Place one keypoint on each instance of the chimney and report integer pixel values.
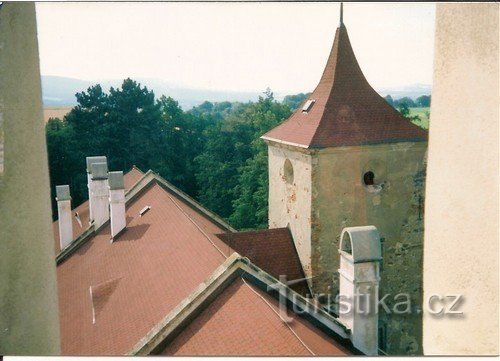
(116, 203)
(360, 254)
(65, 221)
(90, 161)
(99, 202)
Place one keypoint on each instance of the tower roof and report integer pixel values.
(345, 109)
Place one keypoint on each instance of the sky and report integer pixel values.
(234, 46)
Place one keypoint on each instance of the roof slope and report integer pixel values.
(113, 295)
(236, 312)
(347, 110)
(245, 321)
(159, 259)
(273, 250)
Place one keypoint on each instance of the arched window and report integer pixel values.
(369, 178)
(346, 244)
(288, 172)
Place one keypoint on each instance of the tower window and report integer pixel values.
(288, 170)
(369, 178)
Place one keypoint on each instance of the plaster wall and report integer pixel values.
(29, 323)
(290, 204)
(461, 236)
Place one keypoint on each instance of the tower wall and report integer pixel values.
(290, 204)
(341, 199)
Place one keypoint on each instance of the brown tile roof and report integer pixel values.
(347, 111)
(113, 294)
(245, 321)
(130, 178)
(272, 250)
(159, 259)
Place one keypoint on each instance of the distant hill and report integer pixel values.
(411, 91)
(60, 91)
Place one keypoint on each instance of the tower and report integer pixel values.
(347, 158)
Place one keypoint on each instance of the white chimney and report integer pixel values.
(90, 161)
(99, 194)
(116, 203)
(360, 254)
(65, 221)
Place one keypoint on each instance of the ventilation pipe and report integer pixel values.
(90, 161)
(65, 221)
(360, 255)
(116, 203)
(99, 198)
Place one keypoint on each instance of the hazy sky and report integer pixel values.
(234, 46)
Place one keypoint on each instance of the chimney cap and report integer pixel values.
(115, 180)
(96, 159)
(62, 193)
(99, 170)
(362, 244)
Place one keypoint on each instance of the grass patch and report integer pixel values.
(424, 114)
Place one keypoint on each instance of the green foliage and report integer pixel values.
(406, 101)
(232, 169)
(251, 193)
(423, 101)
(389, 100)
(294, 101)
(131, 128)
(213, 152)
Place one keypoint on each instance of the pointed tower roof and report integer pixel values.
(344, 110)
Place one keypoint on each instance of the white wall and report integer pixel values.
(461, 220)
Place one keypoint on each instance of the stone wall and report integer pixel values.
(394, 204)
(290, 204)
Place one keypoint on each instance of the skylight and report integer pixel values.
(308, 105)
(144, 210)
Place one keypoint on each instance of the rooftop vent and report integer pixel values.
(144, 210)
(308, 105)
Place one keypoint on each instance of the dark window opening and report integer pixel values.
(382, 337)
(288, 169)
(369, 178)
(346, 244)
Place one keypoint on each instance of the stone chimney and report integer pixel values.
(116, 203)
(360, 254)
(90, 161)
(65, 221)
(99, 197)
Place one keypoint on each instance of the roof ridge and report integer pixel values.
(141, 185)
(234, 266)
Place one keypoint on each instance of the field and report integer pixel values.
(423, 113)
(55, 112)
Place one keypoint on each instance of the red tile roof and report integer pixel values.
(130, 178)
(159, 259)
(347, 111)
(245, 320)
(113, 294)
(272, 250)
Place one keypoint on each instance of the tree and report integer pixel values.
(406, 101)
(294, 101)
(423, 101)
(251, 193)
(389, 100)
